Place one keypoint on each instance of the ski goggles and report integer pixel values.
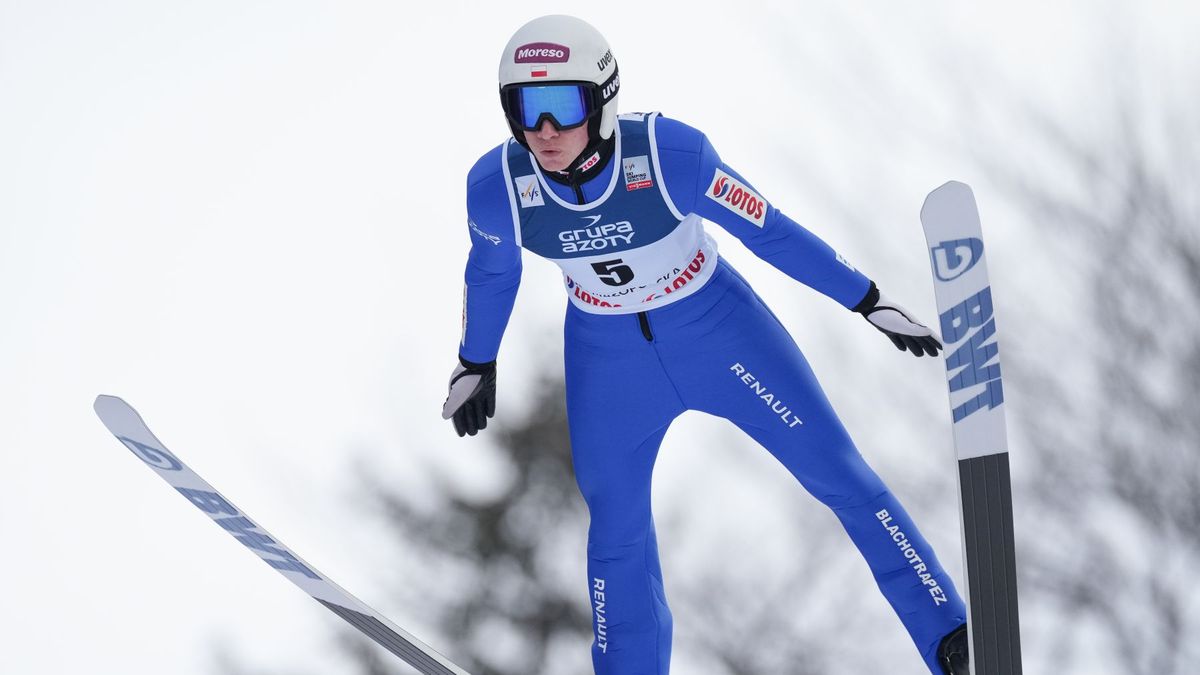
(565, 105)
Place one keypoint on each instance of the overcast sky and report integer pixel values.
(247, 219)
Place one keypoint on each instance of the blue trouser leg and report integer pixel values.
(720, 351)
(748, 369)
(902, 562)
(619, 405)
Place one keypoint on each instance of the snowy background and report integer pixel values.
(247, 220)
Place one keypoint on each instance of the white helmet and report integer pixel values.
(539, 63)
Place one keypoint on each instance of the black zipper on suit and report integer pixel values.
(643, 320)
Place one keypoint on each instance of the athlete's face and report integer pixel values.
(554, 149)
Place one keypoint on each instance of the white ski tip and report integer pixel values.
(948, 212)
(128, 426)
(952, 195)
(110, 407)
(104, 401)
(123, 421)
(114, 412)
(952, 186)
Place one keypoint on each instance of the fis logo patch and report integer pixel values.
(529, 191)
(733, 195)
(637, 173)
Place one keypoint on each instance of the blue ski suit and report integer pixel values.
(658, 324)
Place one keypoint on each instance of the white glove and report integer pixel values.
(895, 322)
(472, 396)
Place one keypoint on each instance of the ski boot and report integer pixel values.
(953, 651)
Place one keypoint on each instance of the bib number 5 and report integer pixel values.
(613, 272)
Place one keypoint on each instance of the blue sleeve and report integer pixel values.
(699, 182)
(494, 264)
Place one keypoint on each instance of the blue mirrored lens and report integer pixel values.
(568, 104)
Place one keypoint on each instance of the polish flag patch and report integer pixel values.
(538, 71)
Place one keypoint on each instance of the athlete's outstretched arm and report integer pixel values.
(493, 271)
(699, 182)
(492, 278)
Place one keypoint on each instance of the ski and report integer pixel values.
(127, 425)
(964, 301)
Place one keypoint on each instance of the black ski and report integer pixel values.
(129, 428)
(964, 301)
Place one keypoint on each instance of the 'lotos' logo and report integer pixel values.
(542, 52)
(733, 195)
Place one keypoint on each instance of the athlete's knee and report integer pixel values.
(844, 490)
(620, 527)
(603, 550)
(607, 491)
(848, 505)
(613, 495)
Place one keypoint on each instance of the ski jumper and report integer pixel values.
(658, 324)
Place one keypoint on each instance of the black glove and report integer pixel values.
(895, 322)
(472, 397)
